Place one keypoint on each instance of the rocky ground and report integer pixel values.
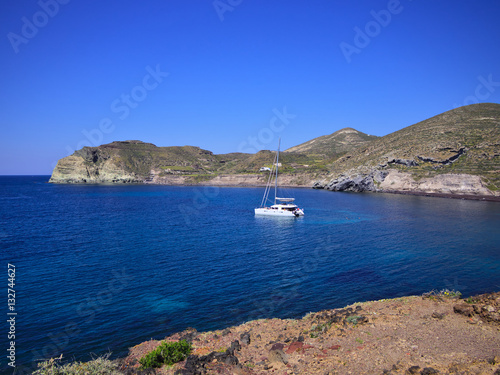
(430, 334)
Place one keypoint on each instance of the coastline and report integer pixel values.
(486, 198)
(428, 334)
(289, 181)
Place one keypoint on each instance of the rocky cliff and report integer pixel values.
(139, 162)
(457, 152)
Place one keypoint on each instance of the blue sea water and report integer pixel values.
(103, 268)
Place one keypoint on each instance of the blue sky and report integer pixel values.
(232, 75)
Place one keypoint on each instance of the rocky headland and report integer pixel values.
(455, 154)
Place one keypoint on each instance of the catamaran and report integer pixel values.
(283, 207)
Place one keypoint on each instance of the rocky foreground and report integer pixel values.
(430, 334)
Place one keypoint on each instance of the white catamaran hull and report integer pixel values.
(266, 211)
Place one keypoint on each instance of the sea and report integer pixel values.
(91, 270)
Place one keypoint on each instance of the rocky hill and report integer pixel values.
(131, 162)
(139, 162)
(341, 141)
(456, 152)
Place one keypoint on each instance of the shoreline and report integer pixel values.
(310, 185)
(428, 334)
(486, 198)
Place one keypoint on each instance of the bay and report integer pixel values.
(102, 268)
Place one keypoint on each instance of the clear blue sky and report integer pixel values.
(75, 72)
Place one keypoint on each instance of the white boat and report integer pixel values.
(283, 207)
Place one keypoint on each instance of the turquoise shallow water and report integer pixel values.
(102, 268)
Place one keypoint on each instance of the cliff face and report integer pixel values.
(104, 164)
(139, 162)
(457, 152)
(376, 180)
(77, 169)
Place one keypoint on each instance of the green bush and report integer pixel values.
(353, 319)
(167, 353)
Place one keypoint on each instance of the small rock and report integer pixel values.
(301, 338)
(437, 315)
(363, 319)
(294, 346)
(464, 309)
(235, 346)
(489, 308)
(494, 361)
(231, 360)
(245, 338)
(226, 332)
(413, 370)
(277, 346)
(429, 371)
(278, 356)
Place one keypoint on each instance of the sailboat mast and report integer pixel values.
(277, 161)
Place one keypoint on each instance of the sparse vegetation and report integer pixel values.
(444, 293)
(336, 143)
(98, 366)
(353, 319)
(461, 141)
(167, 353)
